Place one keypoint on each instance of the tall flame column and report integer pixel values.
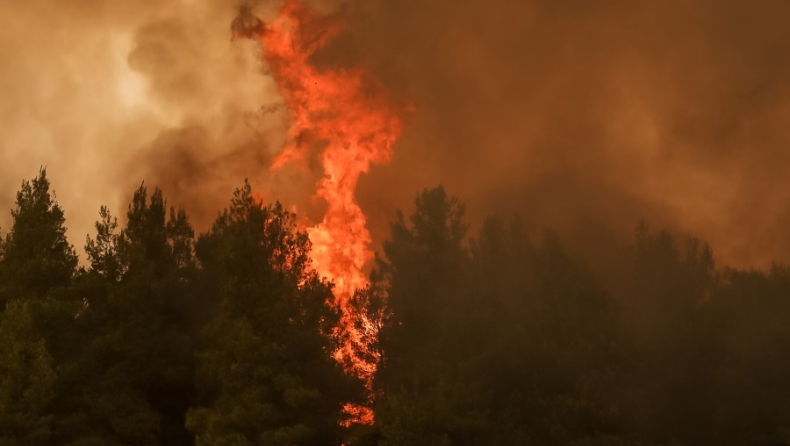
(348, 115)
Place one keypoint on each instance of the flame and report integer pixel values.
(347, 114)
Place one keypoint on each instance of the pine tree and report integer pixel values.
(36, 255)
(136, 367)
(37, 268)
(26, 379)
(504, 343)
(424, 265)
(670, 285)
(266, 374)
(424, 399)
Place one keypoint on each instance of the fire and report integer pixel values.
(346, 114)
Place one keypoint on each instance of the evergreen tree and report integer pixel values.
(749, 330)
(423, 395)
(36, 255)
(136, 369)
(266, 374)
(551, 336)
(36, 270)
(424, 267)
(26, 379)
(500, 344)
(671, 357)
(501, 341)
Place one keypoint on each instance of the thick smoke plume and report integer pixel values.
(582, 116)
(109, 94)
(589, 116)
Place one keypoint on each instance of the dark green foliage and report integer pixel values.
(26, 379)
(36, 255)
(135, 378)
(266, 375)
(36, 271)
(488, 340)
(102, 252)
(424, 267)
(502, 344)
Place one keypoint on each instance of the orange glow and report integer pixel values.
(347, 115)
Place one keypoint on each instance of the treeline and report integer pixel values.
(164, 338)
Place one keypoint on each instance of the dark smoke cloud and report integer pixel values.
(589, 116)
(582, 116)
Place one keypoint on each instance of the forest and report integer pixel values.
(161, 336)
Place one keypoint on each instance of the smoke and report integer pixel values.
(581, 116)
(108, 94)
(589, 116)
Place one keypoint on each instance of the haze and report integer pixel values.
(585, 118)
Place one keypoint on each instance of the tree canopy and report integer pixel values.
(488, 335)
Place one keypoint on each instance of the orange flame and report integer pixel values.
(347, 114)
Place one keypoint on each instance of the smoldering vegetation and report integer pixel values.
(502, 336)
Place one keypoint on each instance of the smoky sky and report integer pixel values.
(590, 116)
(585, 117)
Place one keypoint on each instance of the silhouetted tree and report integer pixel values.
(749, 399)
(501, 344)
(36, 255)
(136, 371)
(26, 379)
(266, 374)
(671, 358)
(490, 340)
(423, 268)
(36, 269)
